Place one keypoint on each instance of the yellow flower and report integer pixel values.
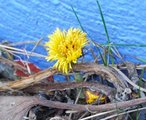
(65, 47)
(91, 97)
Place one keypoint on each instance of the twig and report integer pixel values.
(26, 62)
(123, 67)
(130, 111)
(19, 51)
(22, 43)
(108, 91)
(105, 72)
(38, 42)
(96, 108)
(97, 115)
(112, 74)
(23, 104)
(23, 53)
(25, 82)
(130, 82)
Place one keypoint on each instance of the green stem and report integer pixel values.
(77, 18)
(125, 45)
(101, 14)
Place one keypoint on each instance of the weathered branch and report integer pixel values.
(10, 106)
(105, 72)
(29, 81)
(108, 91)
(113, 75)
(97, 108)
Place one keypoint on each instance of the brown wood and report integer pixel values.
(29, 81)
(16, 107)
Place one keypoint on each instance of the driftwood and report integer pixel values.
(16, 108)
(108, 91)
(28, 81)
(106, 72)
(35, 78)
(112, 74)
(93, 108)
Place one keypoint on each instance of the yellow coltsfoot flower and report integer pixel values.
(92, 96)
(65, 47)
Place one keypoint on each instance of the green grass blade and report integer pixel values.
(125, 45)
(103, 58)
(94, 43)
(101, 14)
(82, 26)
(140, 81)
(107, 35)
(112, 57)
(141, 60)
(77, 18)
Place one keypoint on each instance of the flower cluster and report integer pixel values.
(65, 47)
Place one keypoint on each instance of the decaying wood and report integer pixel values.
(103, 71)
(97, 108)
(132, 72)
(124, 66)
(28, 81)
(113, 75)
(16, 108)
(108, 91)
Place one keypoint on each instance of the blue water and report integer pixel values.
(22, 20)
